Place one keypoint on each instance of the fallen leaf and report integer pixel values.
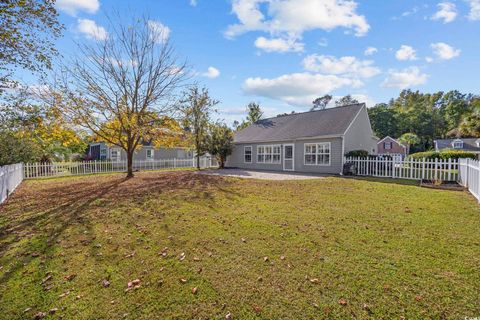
(282, 257)
(183, 280)
(53, 310)
(257, 309)
(314, 280)
(40, 315)
(194, 290)
(228, 316)
(265, 259)
(419, 298)
(342, 302)
(182, 256)
(70, 277)
(105, 283)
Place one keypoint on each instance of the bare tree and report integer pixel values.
(123, 86)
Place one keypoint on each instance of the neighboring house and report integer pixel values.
(390, 146)
(101, 151)
(464, 144)
(314, 141)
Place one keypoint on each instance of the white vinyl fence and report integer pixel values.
(469, 176)
(57, 169)
(415, 169)
(10, 178)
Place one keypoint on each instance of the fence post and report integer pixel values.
(468, 172)
(393, 168)
(423, 169)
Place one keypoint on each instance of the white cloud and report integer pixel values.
(370, 50)
(211, 73)
(297, 88)
(71, 7)
(278, 45)
(91, 30)
(429, 59)
(193, 3)
(406, 78)
(474, 13)
(444, 51)
(288, 19)
(447, 12)
(348, 66)
(158, 31)
(406, 53)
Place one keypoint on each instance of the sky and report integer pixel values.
(284, 53)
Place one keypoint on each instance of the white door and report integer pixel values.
(288, 158)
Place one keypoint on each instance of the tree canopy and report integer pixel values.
(427, 115)
(28, 29)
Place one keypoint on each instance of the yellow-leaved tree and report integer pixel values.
(123, 89)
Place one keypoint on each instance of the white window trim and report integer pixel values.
(316, 158)
(146, 154)
(390, 145)
(119, 151)
(460, 142)
(251, 154)
(272, 146)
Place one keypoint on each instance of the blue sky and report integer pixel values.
(283, 53)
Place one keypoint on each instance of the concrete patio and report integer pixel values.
(263, 175)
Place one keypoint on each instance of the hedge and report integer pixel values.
(444, 155)
(357, 153)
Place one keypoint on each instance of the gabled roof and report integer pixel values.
(328, 122)
(469, 144)
(395, 140)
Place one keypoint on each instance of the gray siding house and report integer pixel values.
(102, 151)
(464, 144)
(314, 141)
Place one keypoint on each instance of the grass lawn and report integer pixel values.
(331, 248)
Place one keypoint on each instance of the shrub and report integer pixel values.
(444, 155)
(357, 153)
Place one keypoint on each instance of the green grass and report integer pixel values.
(389, 249)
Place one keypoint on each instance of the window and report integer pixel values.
(457, 144)
(317, 154)
(115, 155)
(387, 145)
(149, 154)
(268, 154)
(247, 154)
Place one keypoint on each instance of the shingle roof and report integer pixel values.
(332, 121)
(469, 144)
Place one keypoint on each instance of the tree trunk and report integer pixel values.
(221, 162)
(198, 161)
(129, 164)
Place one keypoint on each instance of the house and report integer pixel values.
(464, 144)
(313, 141)
(390, 146)
(102, 151)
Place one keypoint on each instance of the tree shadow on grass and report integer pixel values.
(48, 226)
(43, 211)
